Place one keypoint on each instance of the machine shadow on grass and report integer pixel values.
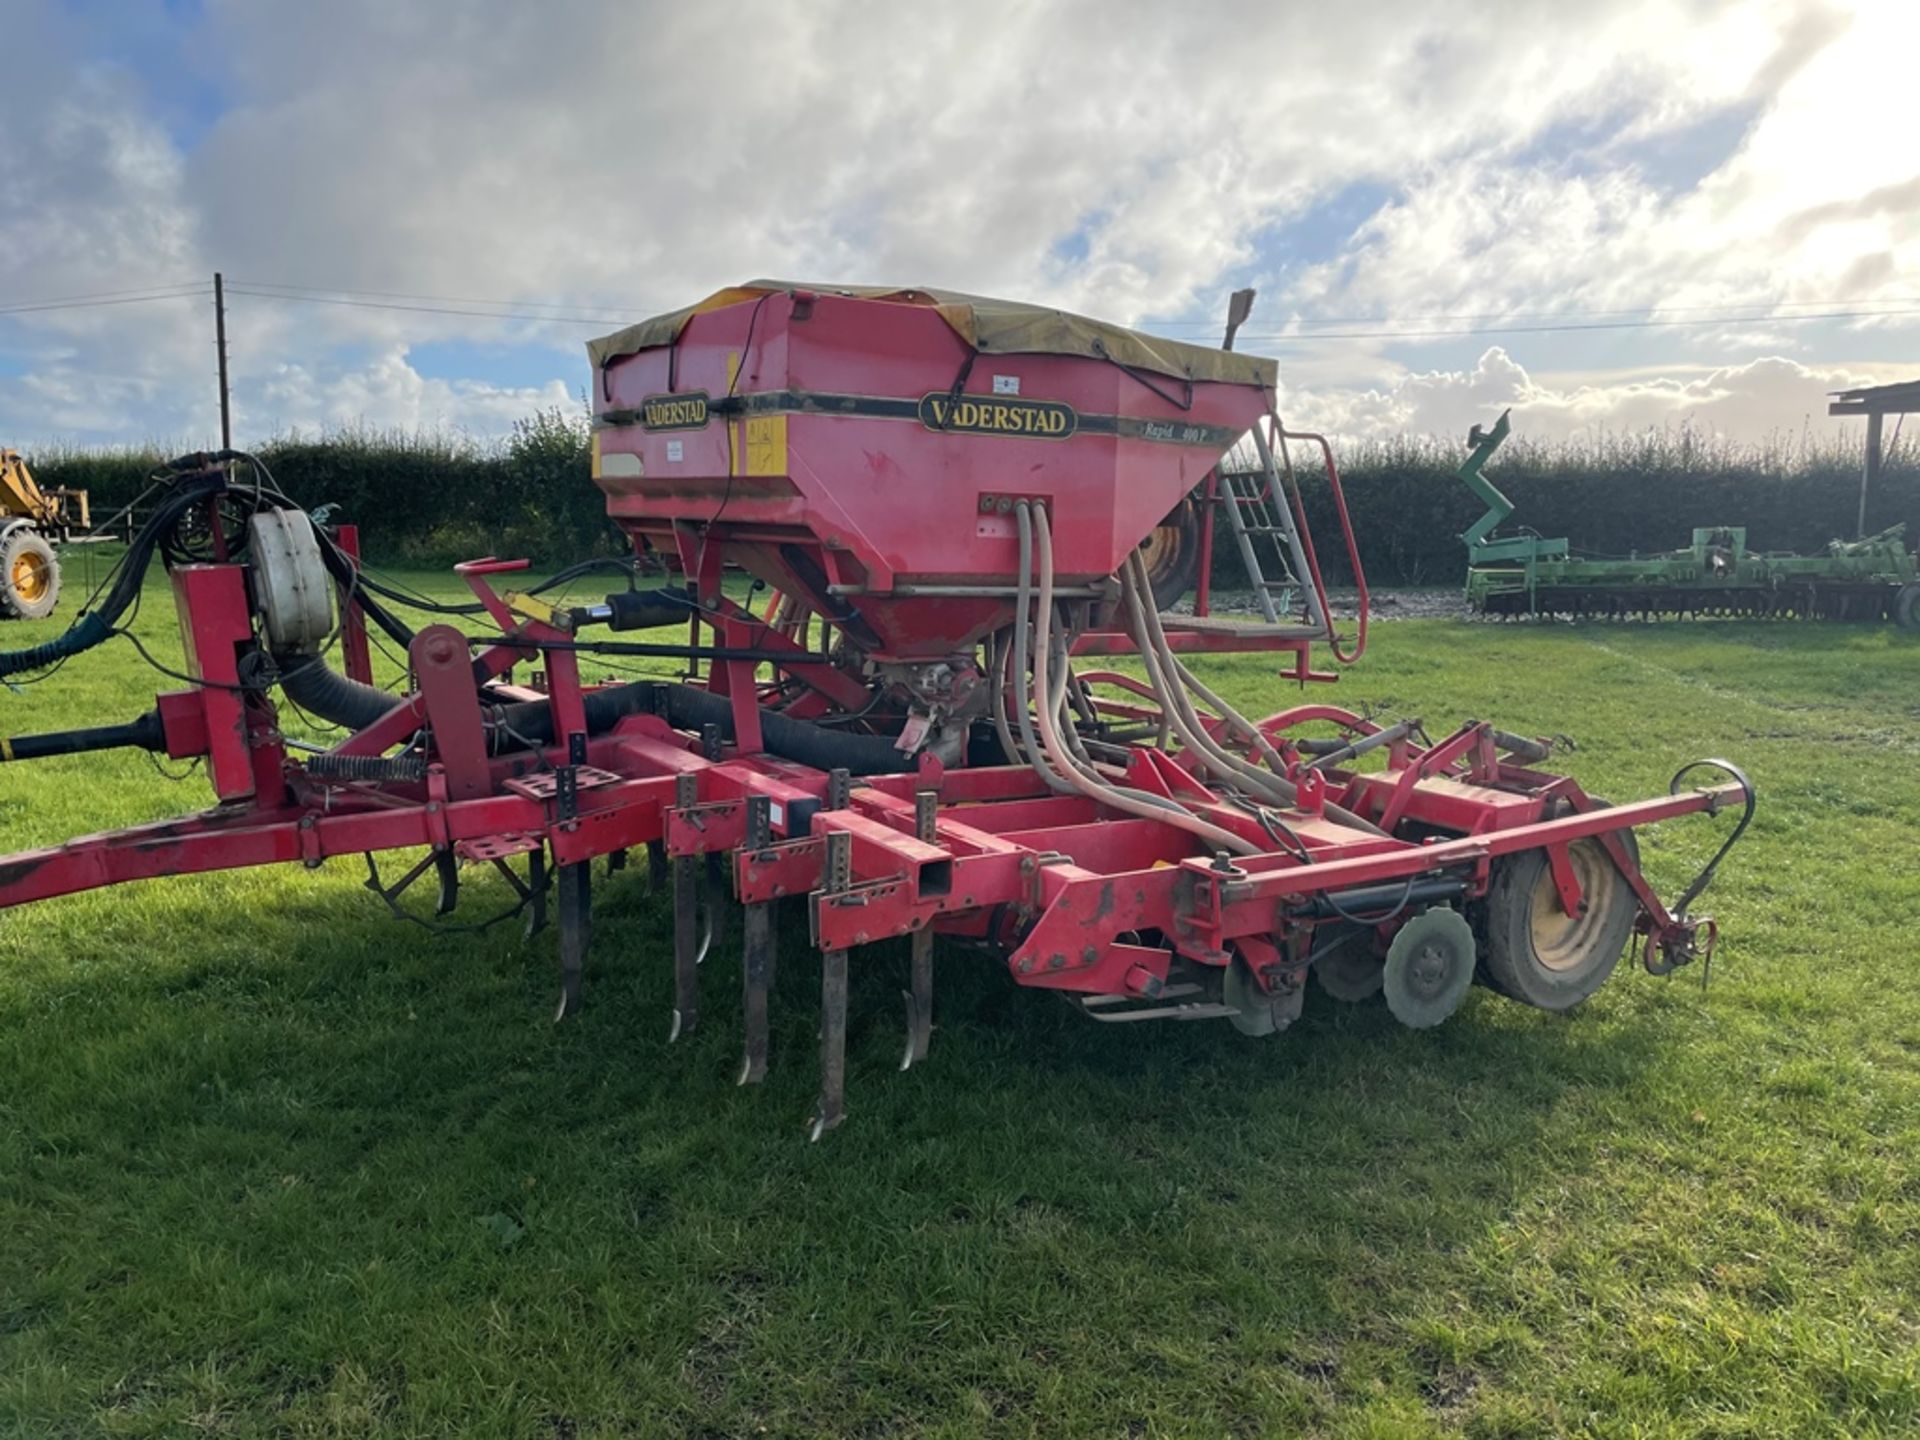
(1343, 1080)
(1037, 1172)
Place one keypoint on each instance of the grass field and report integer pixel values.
(273, 1165)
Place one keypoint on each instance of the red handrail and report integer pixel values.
(1306, 541)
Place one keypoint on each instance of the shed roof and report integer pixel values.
(1903, 395)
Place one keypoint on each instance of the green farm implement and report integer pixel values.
(1874, 578)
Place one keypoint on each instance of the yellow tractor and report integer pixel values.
(31, 521)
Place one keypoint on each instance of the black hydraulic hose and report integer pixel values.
(196, 487)
(642, 609)
(686, 708)
(319, 689)
(354, 587)
(96, 626)
(85, 633)
(564, 577)
(1374, 905)
(323, 691)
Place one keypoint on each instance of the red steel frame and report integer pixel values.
(1080, 897)
(1081, 876)
(1081, 900)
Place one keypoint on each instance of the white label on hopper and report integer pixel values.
(1006, 384)
(676, 449)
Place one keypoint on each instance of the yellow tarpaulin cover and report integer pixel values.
(999, 327)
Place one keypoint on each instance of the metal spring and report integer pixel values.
(374, 768)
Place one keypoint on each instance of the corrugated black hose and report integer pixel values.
(322, 691)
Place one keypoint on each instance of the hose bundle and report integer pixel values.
(528, 724)
(95, 626)
(193, 481)
(1036, 660)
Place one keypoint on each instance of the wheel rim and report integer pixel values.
(1161, 551)
(1563, 942)
(1427, 972)
(29, 577)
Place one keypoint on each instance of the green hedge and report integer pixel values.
(424, 498)
(1613, 496)
(432, 498)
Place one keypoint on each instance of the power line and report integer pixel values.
(500, 314)
(112, 298)
(517, 310)
(1648, 310)
(104, 294)
(531, 311)
(490, 301)
(1603, 325)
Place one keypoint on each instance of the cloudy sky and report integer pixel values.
(1606, 215)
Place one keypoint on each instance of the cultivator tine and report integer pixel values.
(687, 946)
(919, 997)
(757, 958)
(616, 862)
(536, 892)
(575, 883)
(447, 868)
(713, 918)
(656, 865)
(831, 1108)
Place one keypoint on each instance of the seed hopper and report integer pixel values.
(900, 532)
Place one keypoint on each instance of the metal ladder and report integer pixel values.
(1259, 516)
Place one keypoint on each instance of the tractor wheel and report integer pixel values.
(1536, 952)
(29, 575)
(1172, 553)
(1906, 607)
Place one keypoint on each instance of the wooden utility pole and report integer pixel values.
(220, 343)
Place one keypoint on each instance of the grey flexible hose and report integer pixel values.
(1160, 663)
(1058, 686)
(999, 651)
(1282, 791)
(1023, 611)
(1096, 789)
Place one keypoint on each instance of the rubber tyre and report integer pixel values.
(1173, 553)
(20, 549)
(1560, 962)
(1906, 607)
